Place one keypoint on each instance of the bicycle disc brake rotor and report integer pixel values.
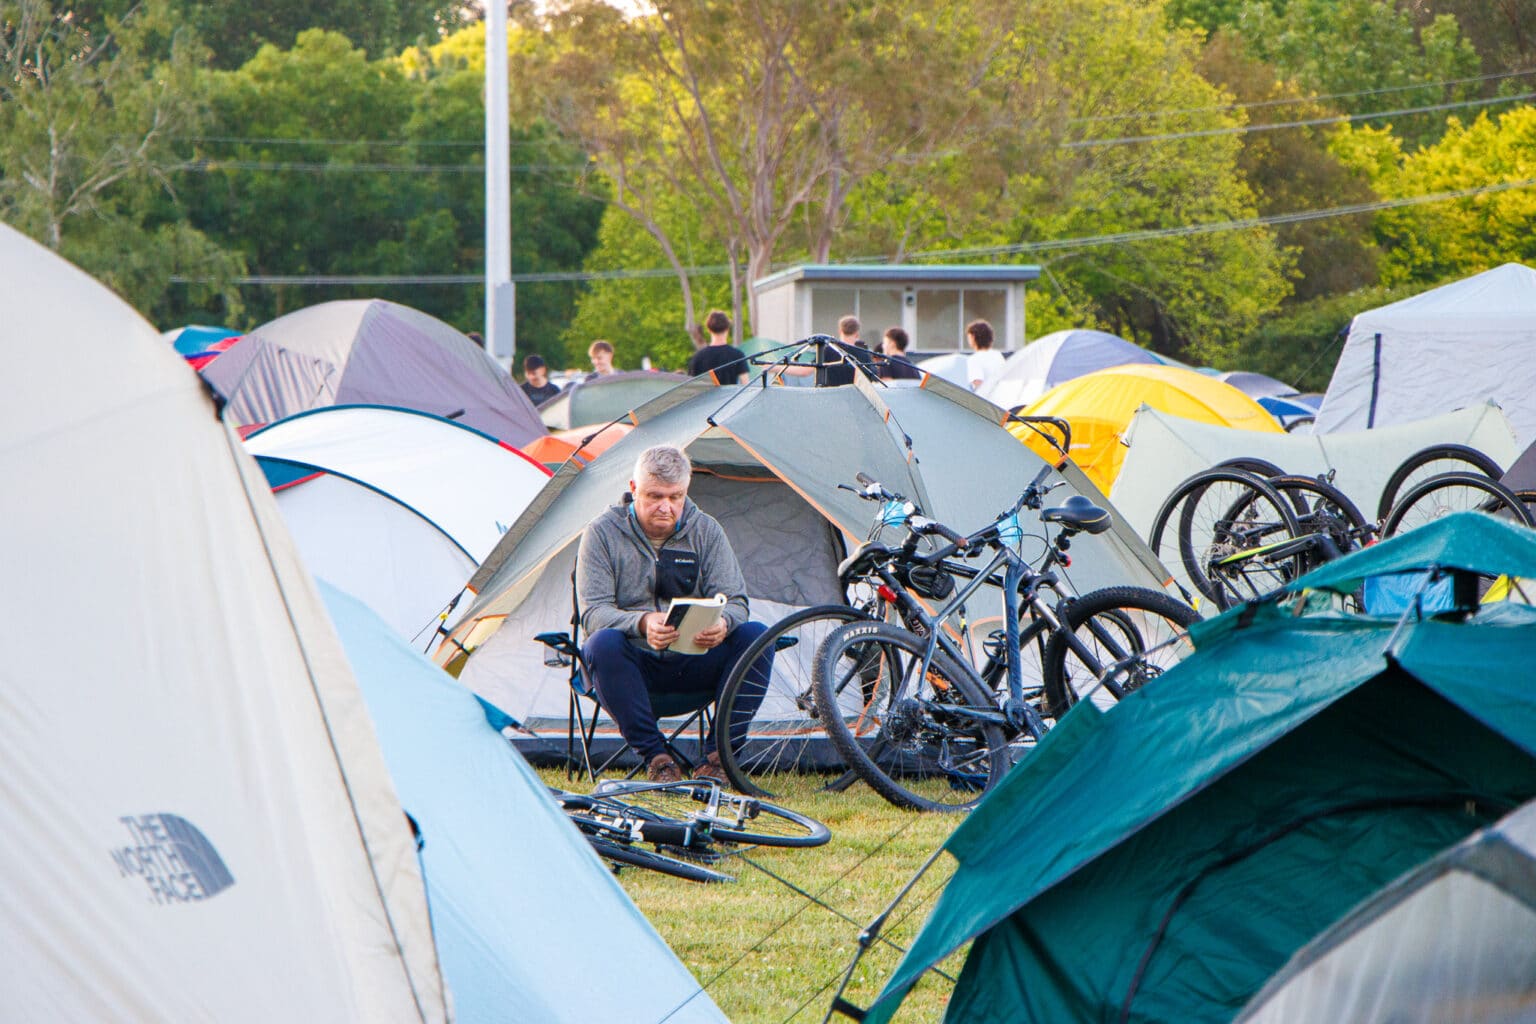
(905, 723)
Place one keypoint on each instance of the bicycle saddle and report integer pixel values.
(1078, 513)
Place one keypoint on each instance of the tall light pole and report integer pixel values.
(500, 293)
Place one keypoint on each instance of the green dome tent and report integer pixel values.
(1160, 861)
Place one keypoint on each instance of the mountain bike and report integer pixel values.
(680, 828)
(910, 712)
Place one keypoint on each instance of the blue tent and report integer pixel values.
(524, 914)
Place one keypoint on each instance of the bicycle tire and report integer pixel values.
(1323, 508)
(742, 819)
(1423, 457)
(1200, 536)
(788, 738)
(1258, 467)
(918, 755)
(1434, 497)
(651, 860)
(1126, 621)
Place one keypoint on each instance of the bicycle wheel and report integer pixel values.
(1258, 467)
(651, 860)
(924, 736)
(1441, 495)
(1431, 461)
(1129, 635)
(776, 732)
(1218, 514)
(1323, 508)
(717, 815)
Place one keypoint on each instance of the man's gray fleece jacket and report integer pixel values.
(616, 570)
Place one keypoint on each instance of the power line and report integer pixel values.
(1276, 126)
(1018, 248)
(213, 166)
(1184, 230)
(1256, 104)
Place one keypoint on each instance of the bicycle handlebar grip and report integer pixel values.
(950, 535)
(864, 478)
(668, 833)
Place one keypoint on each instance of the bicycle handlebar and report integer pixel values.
(921, 526)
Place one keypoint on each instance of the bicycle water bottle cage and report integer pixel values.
(1080, 514)
(928, 580)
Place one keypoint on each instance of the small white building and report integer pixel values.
(932, 303)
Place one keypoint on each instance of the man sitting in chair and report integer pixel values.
(633, 559)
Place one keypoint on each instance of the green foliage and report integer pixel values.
(88, 102)
(640, 316)
(1449, 239)
(292, 198)
(1301, 345)
(1333, 47)
(1292, 171)
(235, 31)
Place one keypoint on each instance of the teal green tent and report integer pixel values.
(1159, 861)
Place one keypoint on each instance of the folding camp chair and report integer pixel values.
(563, 649)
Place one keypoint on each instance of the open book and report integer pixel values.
(691, 616)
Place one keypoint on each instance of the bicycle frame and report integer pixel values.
(1022, 586)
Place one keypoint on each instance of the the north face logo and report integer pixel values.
(175, 860)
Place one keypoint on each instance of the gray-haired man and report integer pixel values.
(633, 559)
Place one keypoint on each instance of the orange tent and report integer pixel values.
(580, 442)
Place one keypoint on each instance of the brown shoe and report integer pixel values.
(663, 769)
(711, 771)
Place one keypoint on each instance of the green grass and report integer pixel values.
(763, 952)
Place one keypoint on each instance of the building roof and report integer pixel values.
(863, 273)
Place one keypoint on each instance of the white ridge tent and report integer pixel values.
(393, 506)
(1462, 344)
(199, 823)
(1165, 450)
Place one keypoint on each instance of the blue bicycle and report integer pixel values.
(906, 707)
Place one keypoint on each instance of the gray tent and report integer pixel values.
(767, 464)
(370, 352)
(1451, 942)
(604, 399)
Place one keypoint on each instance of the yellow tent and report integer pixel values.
(1100, 406)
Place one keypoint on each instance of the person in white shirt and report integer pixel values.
(984, 366)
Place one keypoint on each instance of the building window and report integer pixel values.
(938, 326)
(991, 305)
(829, 305)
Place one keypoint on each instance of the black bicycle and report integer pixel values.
(910, 712)
(681, 828)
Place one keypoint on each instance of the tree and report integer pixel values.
(89, 105)
(233, 31)
(1292, 170)
(1105, 128)
(751, 112)
(1451, 238)
(1356, 49)
(320, 161)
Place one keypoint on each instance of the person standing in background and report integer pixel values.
(984, 366)
(895, 365)
(536, 383)
(601, 355)
(719, 355)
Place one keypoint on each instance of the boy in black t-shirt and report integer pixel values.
(895, 365)
(537, 385)
(719, 354)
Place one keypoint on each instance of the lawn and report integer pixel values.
(765, 953)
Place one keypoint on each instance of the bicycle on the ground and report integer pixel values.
(681, 828)
(906, 707)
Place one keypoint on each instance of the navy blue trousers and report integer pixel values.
(626, 676)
